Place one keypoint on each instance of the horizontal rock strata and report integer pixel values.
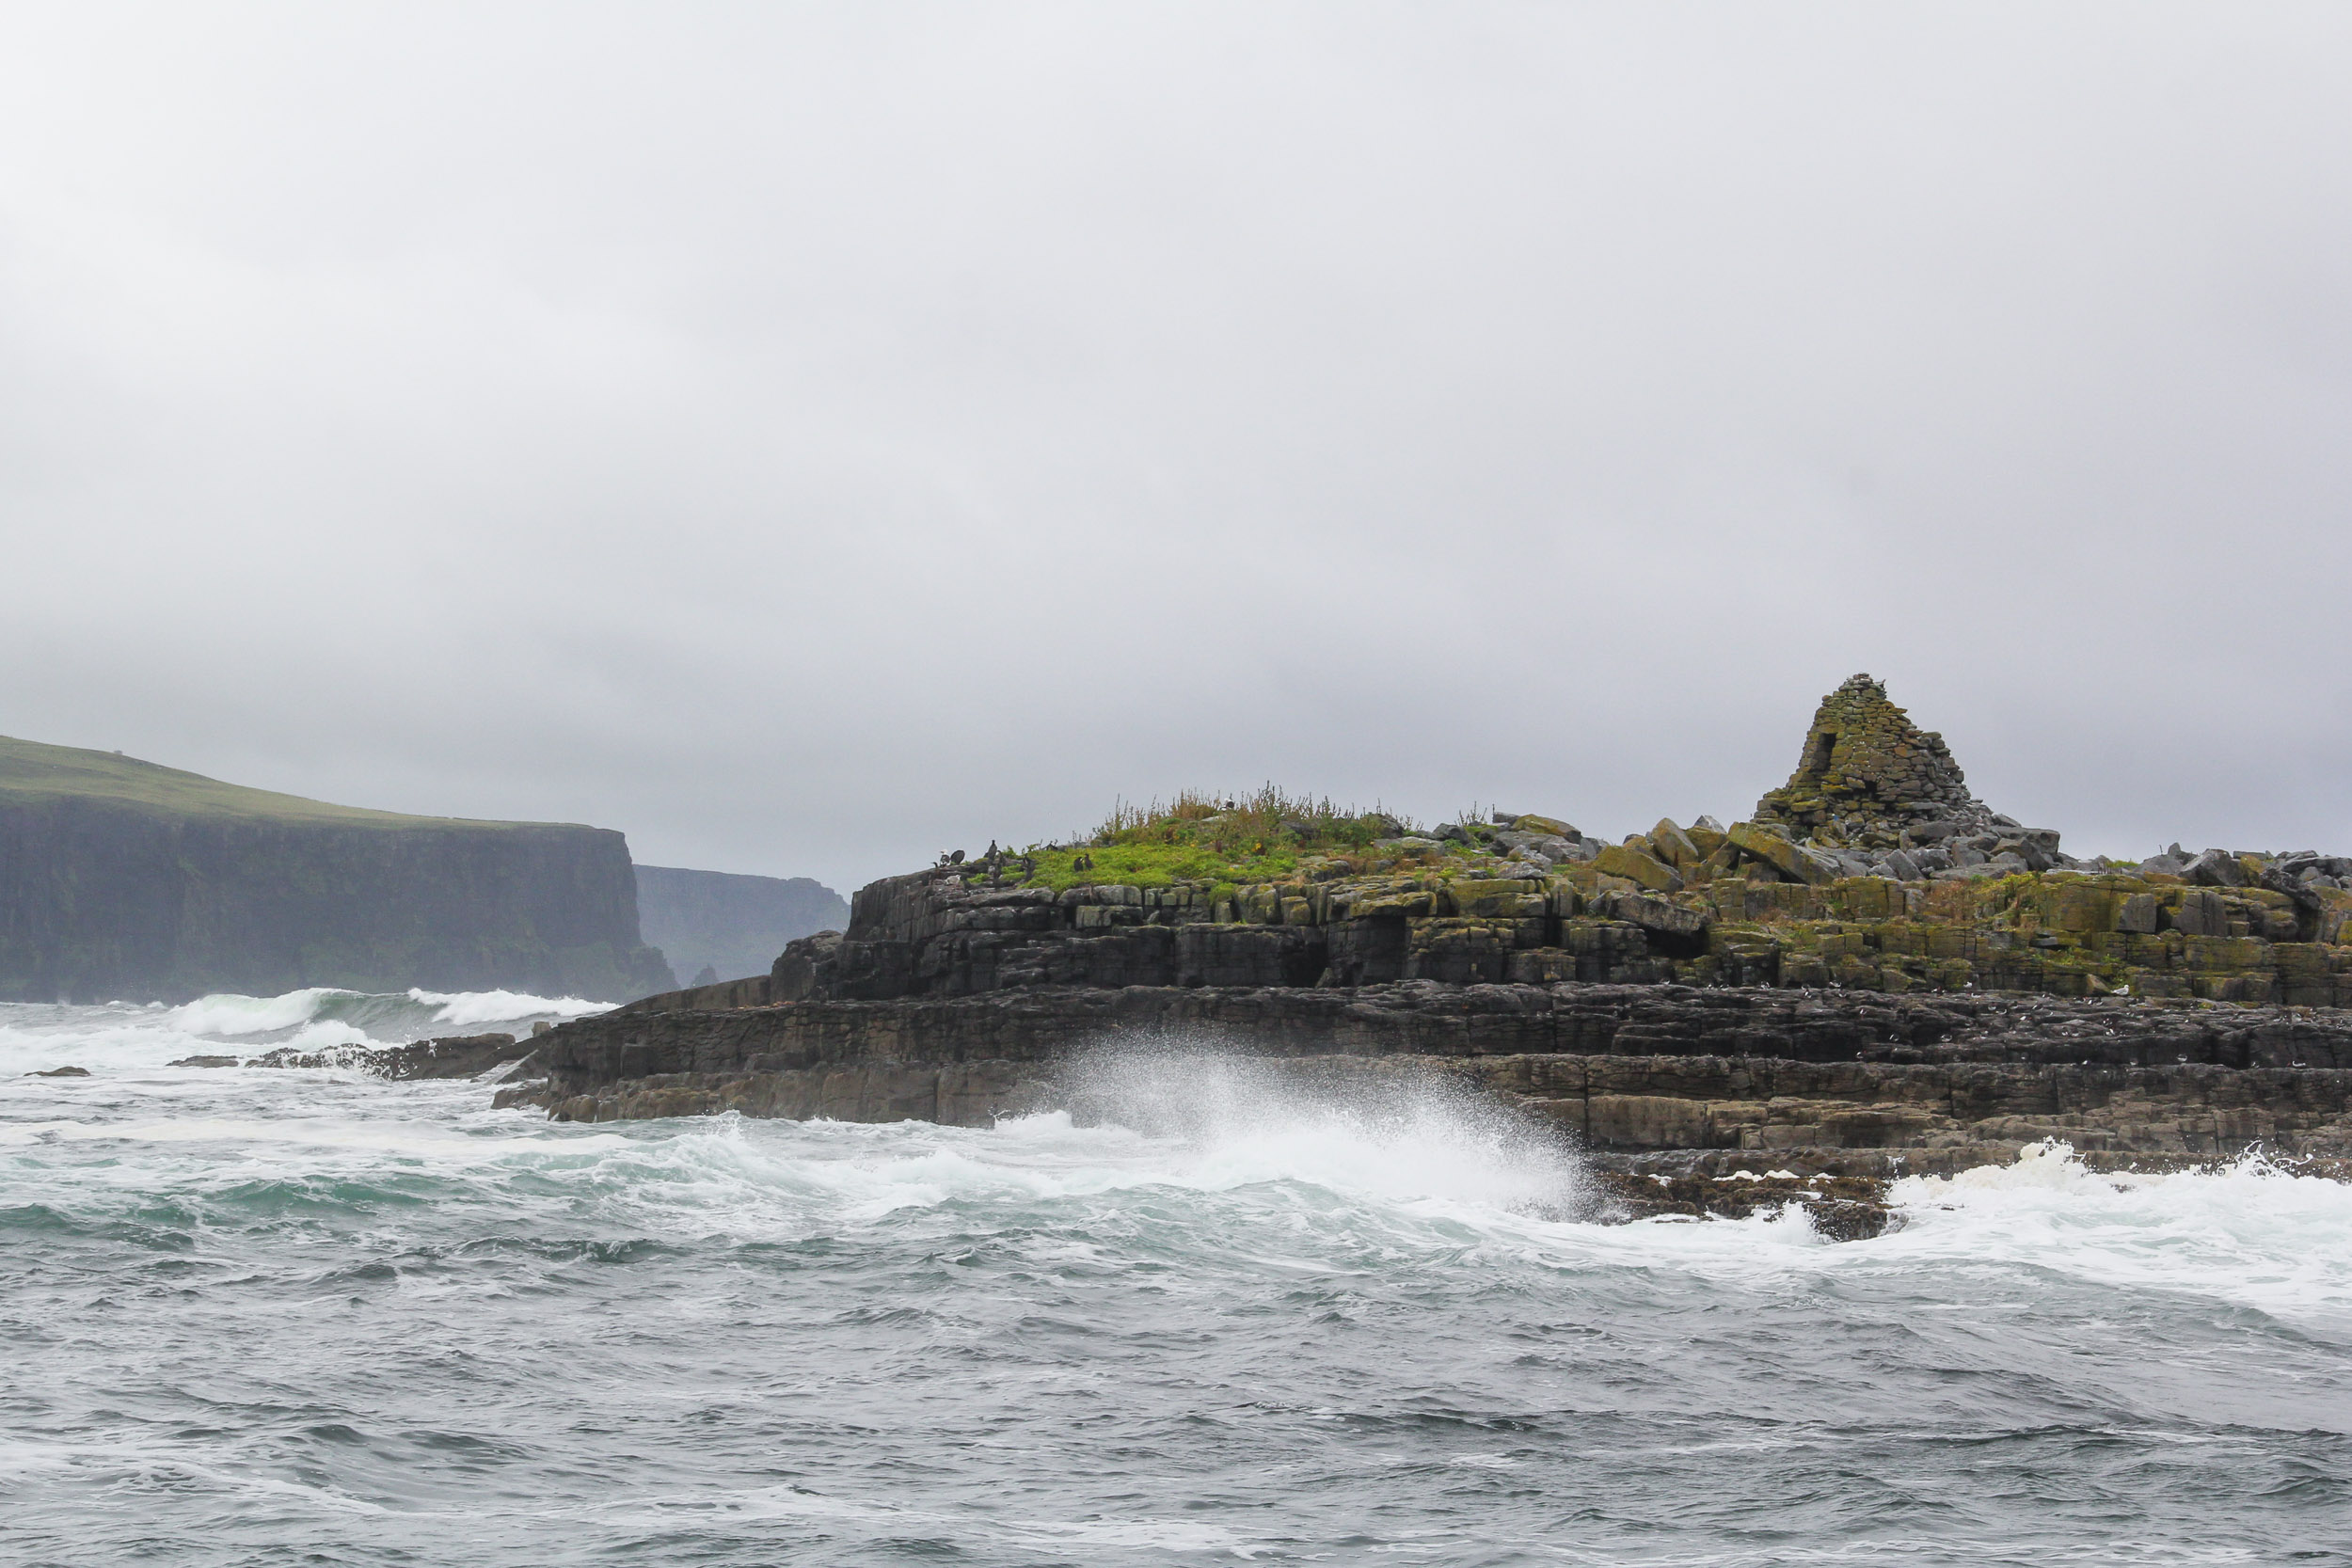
(1858, 1083)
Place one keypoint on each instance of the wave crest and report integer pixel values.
(124, 1036)
(383, 1017)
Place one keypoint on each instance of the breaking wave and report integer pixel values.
(403, 1016)
(124, 1036)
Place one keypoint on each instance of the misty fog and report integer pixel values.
(810, 439)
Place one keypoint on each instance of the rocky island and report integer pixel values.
(1874, 973)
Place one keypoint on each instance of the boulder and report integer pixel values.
(2028, 852)
(1552, 847)
(1796, 864)
(1639, 866)
(2216, 868)
(805, 967)
(1674, 846)
(1655, 914)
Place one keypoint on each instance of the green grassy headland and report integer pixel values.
(1199, 839)
(32, 772)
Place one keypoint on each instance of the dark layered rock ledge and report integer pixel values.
(1857, 1083)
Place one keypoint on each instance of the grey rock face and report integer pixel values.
(1954, 1080)
(2216, 868)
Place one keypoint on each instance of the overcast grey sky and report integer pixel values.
(811, 438)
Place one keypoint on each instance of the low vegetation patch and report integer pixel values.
(1220, 840)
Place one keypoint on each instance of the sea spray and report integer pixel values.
(1361, 1124)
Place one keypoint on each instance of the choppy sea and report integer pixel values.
(264, 1316)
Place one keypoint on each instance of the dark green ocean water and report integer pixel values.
(284, 1317)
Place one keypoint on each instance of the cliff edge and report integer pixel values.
(122, 878)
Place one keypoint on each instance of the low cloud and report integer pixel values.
(811, 439)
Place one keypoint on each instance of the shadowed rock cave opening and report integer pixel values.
(1673, 944)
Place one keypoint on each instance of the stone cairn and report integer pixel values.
(1870, 777)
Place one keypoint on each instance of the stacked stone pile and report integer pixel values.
(1868, 776)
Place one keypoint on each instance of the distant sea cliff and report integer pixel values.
(723, 926)
(125, 880)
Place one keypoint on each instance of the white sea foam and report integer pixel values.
(2252, 1232)
(1208, 1127)
(1053, 1537)
(322, 1034)
(469, 1007)
(127, 1036)
(228, 1015)
(251, 1136)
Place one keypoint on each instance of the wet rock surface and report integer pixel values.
(1840, 1208)
(1879, 1084)
(455, 1056)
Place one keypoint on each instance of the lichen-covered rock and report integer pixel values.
(1777, 851)
(1868, 776)
(1638, 866)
